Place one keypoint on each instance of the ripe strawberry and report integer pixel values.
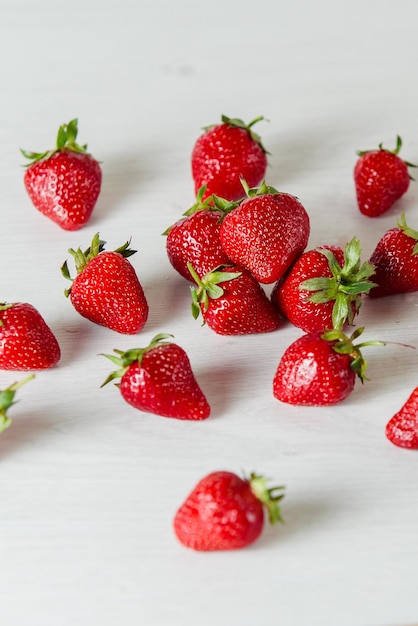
(106, 289)
(402, 428)
(26, 341)
(7, 399)
(320, 368)
(159, 379)
(195, 238)
(238, 307)
(323, 288)
(266, 233)
(395, 260)
(226, 512)
(224, 154)
(381, 177)
(64, 183)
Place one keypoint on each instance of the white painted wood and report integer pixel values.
(88, 485)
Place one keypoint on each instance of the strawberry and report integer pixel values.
(159, 379)
(226, 512)
(106, 289)
(224, 154)
(395, 260)
(26, 341)
(64, 183)
(320, 368)
(402, 428)
(7, 399)
(232, 302)
(266, 233)
(323, 288)
(381, 177)
(195, 238)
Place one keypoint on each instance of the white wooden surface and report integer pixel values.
(88, 485)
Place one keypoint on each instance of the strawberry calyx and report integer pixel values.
(269, 497)
(396, 151)
(238, 123)
(66, 140)
(123, 360)
(82, 259)
(410, 232)
(3, 307)
(345, 286)
(211, 203)
(200, 203)
(7, 400)
(208, 287)
(261, 190)
(343, 344)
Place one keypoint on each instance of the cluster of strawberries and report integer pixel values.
(240, 234)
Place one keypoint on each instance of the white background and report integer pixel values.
(88, 485)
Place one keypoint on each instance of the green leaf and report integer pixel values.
(318, 284)
(339, 311)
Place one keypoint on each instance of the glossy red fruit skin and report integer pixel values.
(402, 428)
(195, 240)
(164, 384)
(108, 292)
(266, 234)
(381, 178)
(222, 156)
(293, 303)
(243, 309)
(396, 267)
(311, 373)
(65, 187)
(26, 341)
(221, 513)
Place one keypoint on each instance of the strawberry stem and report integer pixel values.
(7, 400)
(269, 497)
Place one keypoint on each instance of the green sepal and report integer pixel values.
(123, 360)
(262, 190)
(395, 151)
(238, 123)
(66, 140)
(345, 286)
(410, 232)
(269, 497)
(7, 400)
(344, 344)
(208, 287)
(82, 259)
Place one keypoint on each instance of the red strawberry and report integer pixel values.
(395, 260)
(64, 183)
(106, 289)
(159, 379)
(26, 341)
(402, 428)
(238, 307)
(320, 368)
(7, 399)
(266, 233)
(224, 154)
(381, 177)
(195, 238)
(226, 512)
(323, 288)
